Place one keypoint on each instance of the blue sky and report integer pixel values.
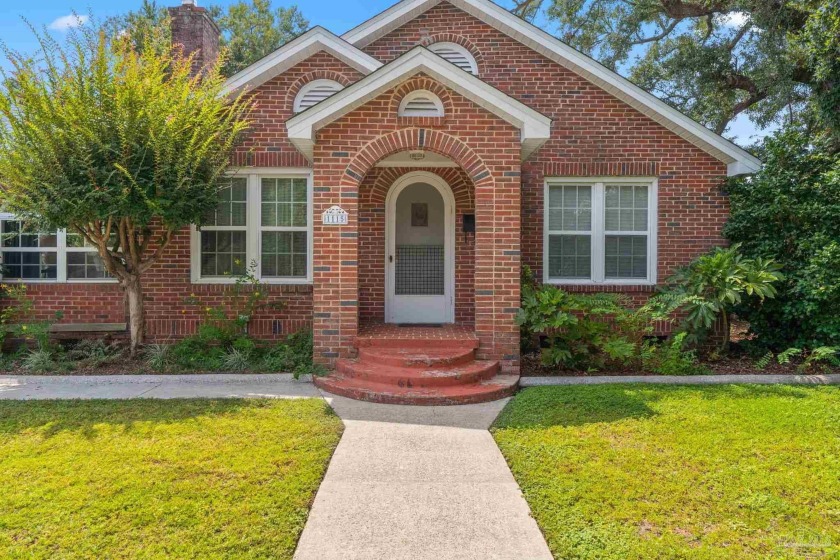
(336, 15)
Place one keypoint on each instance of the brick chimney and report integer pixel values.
(195, 32)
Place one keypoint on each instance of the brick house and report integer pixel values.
(401, 174)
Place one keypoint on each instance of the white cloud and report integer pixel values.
(68, 22)
(734, 19)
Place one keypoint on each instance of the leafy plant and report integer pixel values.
(236, 360)
(40, 360)
(823, 355)
(582, 331)
(157, 356)
(226, 322)
(711, 286)
(95, 352)
(293, 355)
(671, 357)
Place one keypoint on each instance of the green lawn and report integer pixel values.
(646, 472)
(153, 479)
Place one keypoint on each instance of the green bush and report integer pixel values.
(790, 212)
(671, 357)
(582, 331)
(713, 285)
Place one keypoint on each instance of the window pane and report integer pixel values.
(223, 253)
(85, 265)
(626, 208)
(284, 253)
(570, 208)
(625, 256)
(232, 207)
(284, 202)
(40, 265)
(569, 256)
(15, 234)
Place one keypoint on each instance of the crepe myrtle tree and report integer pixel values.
(121, 145)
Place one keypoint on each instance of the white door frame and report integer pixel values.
(449, 238)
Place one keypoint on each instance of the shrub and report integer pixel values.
(195, 353)
(236, 360)
(293, 355)
(790, 212)
(157, 356)
(95, 352)
(583, 331)
(40, 360)
(225, 322)
(711, 287)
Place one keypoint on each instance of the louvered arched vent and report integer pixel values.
(420, 103)
(315, 92)
(457, 55)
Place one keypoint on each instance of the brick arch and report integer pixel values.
(455, 177)
(311, 77)
(421, 82)
(458, 40)
(417, 139)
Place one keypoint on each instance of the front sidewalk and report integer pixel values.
(419, 482)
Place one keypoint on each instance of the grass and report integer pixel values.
(160, 479)
(718, 472)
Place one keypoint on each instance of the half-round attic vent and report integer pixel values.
(456, 54)
(315, 92)
(420, 103)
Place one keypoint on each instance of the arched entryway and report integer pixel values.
(420, 250)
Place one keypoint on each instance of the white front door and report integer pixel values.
(420, 251)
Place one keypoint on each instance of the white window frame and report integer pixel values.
(254, 228)
(598, 232)
(405, 111)
(61, 249)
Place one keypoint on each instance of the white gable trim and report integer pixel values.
(315, 40)
(737, 159)
(535, 127)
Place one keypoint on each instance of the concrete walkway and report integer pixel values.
(154, 386)
(418, 482)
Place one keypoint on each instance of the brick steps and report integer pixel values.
(418, 371)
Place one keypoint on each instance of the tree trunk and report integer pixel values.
(136, 320)
(724, 343)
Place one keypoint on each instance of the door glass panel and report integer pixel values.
(419, 256)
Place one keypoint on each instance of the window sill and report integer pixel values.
(267, 281)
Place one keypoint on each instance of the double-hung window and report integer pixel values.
(54, 256)
(600, 231)
(264, 218)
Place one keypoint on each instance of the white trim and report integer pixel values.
(253, 226)
(535, 128)
(455, 47)
(405, 111)
(598, 234)
(315, 40)
(308, 87)
(563, 54)
(449, 237)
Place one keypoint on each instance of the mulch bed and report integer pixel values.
(741, 365)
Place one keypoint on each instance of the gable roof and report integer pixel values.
(295, 51)
(737, 159)
(535, 127)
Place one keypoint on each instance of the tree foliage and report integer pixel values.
(122, 147)
(712, 59)
(149, 25)
(790, 212)
(253, 30)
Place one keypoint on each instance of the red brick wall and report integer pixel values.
(372, 193)
(593, 134)
(486, 147)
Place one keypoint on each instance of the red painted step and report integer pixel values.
(415, 357)
(421, 370)
(440, 376)
(498, 387)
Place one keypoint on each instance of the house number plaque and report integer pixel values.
(334, 216)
